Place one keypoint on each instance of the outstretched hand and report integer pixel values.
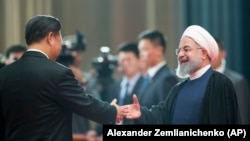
(133, 111)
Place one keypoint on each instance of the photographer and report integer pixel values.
(71, 56)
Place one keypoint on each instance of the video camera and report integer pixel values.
(76, 42)
(105, 63)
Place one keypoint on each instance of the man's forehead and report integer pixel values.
(187, 41)
(126, 54)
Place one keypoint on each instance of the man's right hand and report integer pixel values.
(133, 111)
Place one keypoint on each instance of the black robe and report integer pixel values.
(219, 105)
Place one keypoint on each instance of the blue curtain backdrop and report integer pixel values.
(245, 10)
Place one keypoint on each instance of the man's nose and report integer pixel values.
(181, 54)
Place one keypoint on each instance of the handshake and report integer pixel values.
(131, 111)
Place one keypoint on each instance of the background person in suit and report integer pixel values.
(38, 95)
(14, 53)
(240, 83)
(129, 66)
(159, 79)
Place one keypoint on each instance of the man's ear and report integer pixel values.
(205, 54)
(50, 38)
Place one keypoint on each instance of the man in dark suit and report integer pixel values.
(38, 95)
(152, 47)
(129, 66)
(239, 82)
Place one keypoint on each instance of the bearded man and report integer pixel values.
(203, 97)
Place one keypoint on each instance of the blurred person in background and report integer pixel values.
(159, 78)
(14, 53)
(129, 66)
(240, 83)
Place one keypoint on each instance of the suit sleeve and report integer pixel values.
(157, 114)
(160, 113)
(73, 97)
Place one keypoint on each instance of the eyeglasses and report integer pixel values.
(184, 49)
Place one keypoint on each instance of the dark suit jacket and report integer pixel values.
(37, 98)
(242, 92)
(158, 87)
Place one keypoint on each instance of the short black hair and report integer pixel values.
(219, 43)
(155, 36)
(39, 26)
(15, 48)
(129, 47)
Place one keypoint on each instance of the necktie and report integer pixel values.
(123, 94)
(145, 82)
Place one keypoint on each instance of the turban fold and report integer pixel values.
(202, 37)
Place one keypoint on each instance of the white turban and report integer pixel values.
(202, 37)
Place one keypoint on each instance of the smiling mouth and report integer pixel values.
(183, 61)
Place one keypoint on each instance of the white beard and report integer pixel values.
(183, 70)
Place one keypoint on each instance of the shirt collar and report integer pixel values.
(131, 81)
(37, 50)
(152, 71)
(200, 72)
(222, 67)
